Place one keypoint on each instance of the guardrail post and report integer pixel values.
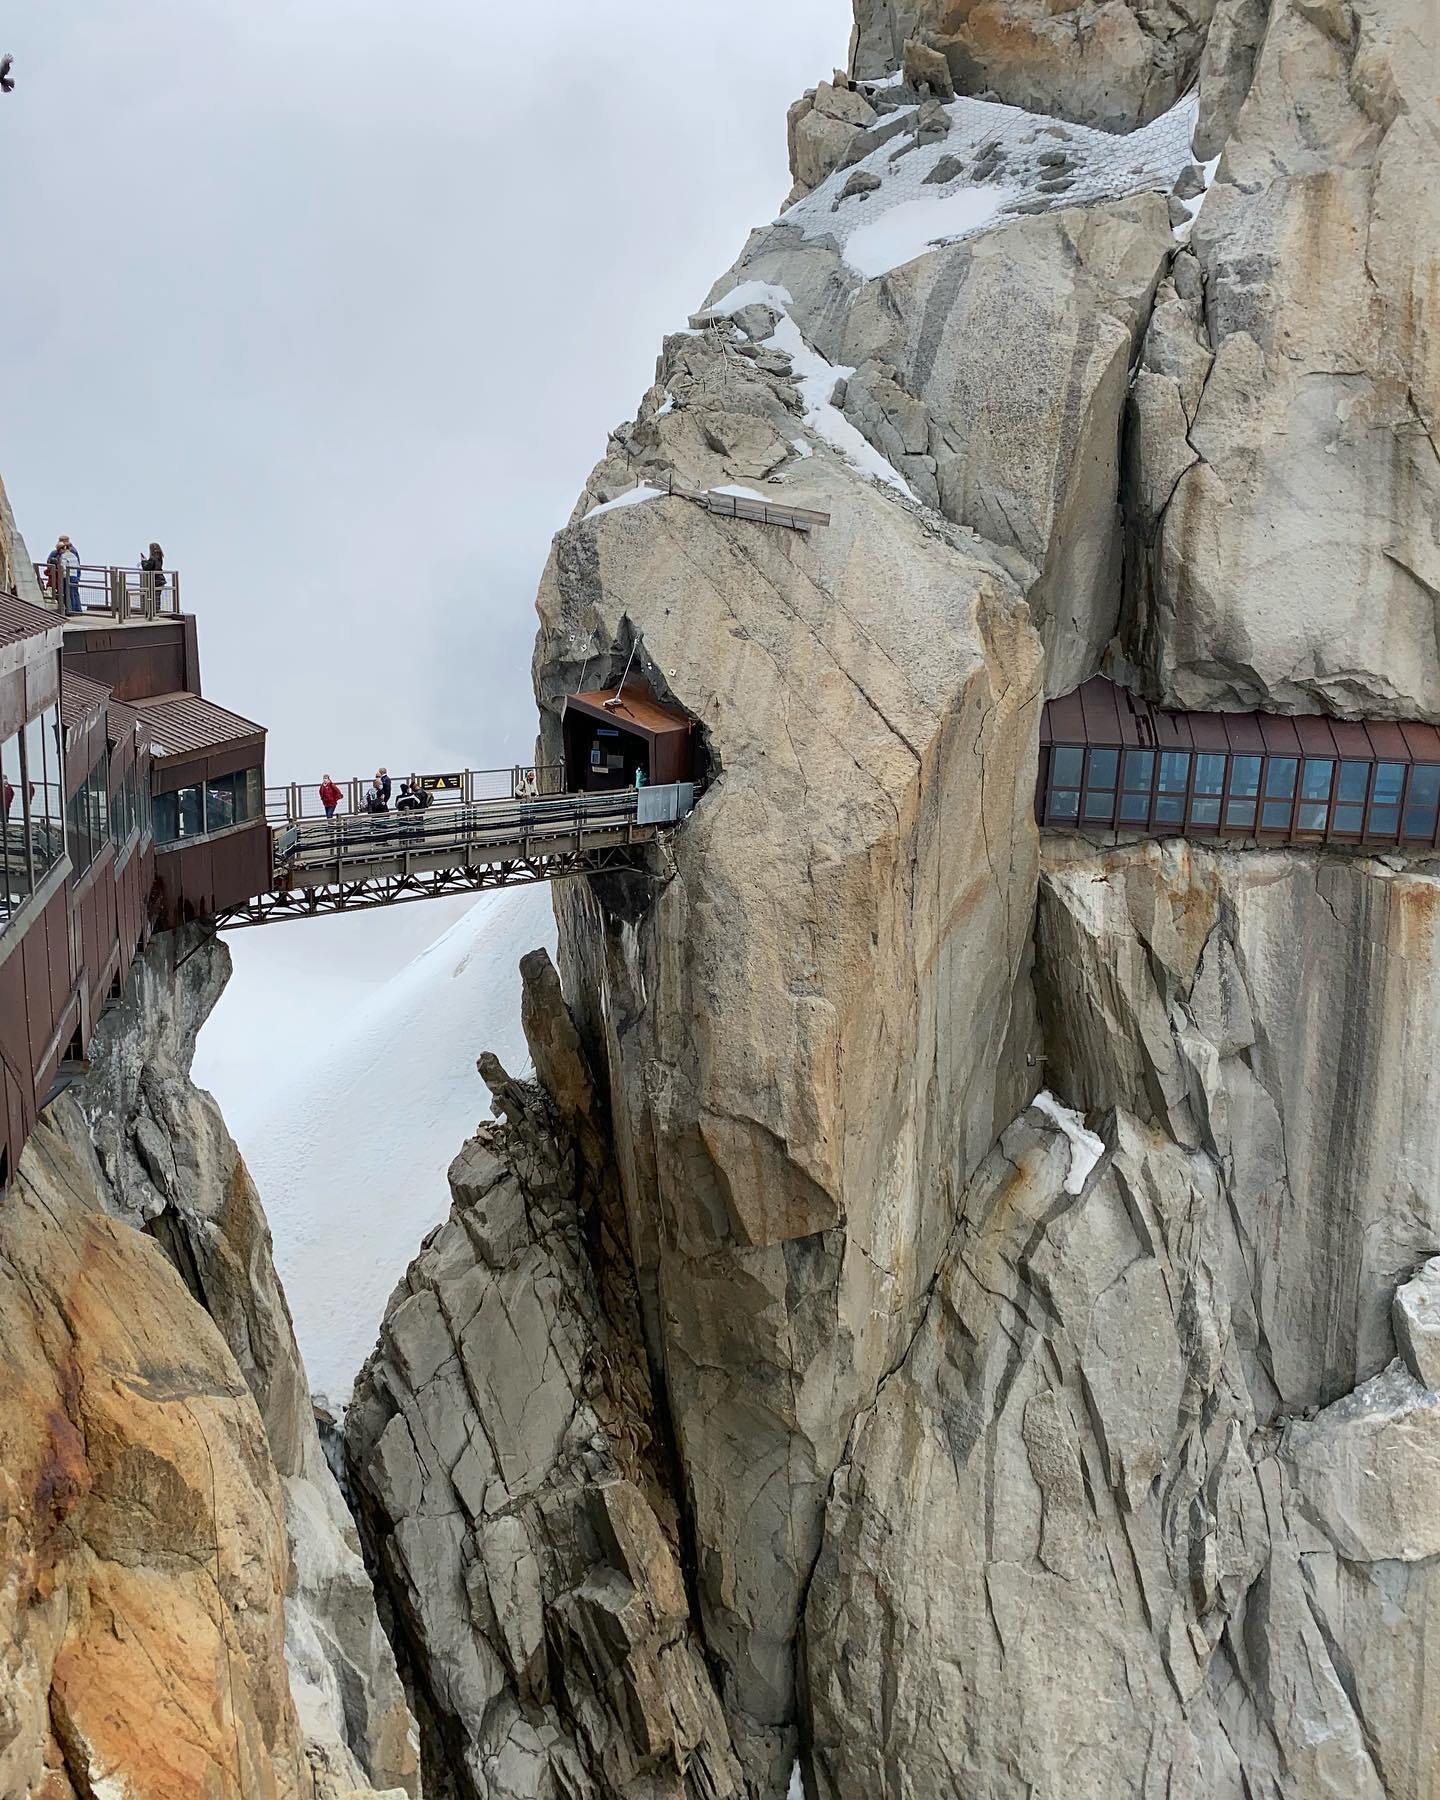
(296, 803)
(119, 594)
(174, 591)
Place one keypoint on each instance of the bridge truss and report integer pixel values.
(395, 889)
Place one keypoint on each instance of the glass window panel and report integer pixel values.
(43, 792)
(1275, 815)
(165, 811)
(1419, 822)
(1174, 773)
(1280, 777)
(1103, 766)
(97, 785)
(1065, 766)
(1170, 809)
(15, 870)
(1135, 808)
(1240, 815)
(254, 795)
(77, 819)
(1348, 818)
(1389, 779)
(1210, 774)
(1315, 778)
(1384, 821)
(220, 803)
(1100, 804)
(1312, 815)
(1065, 804)
(1244, 777)
(1205, 811)
(1354, 781)
(191, 816)
(1139, 769)
(1424, 785)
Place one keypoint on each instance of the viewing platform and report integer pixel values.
(109, 594)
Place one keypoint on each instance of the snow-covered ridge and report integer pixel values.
(999, 162)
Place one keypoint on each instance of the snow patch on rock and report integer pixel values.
(1009, 161)
(1085, 1148)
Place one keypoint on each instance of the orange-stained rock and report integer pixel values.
(142, 1541)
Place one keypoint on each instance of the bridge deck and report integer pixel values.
(358, 862)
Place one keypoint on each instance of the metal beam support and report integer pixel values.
(395, 890)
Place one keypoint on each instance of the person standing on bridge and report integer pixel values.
(330, 795)
(382, 781)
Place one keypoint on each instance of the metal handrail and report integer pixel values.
(365, 835)
(297, 804)
(114, 591)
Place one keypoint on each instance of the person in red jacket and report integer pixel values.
(330, 795)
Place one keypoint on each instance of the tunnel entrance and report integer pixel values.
(623, 738)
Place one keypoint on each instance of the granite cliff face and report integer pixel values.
(1021, 1257)
(184, 1608)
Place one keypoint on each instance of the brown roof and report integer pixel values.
(638, 708)
(1102, 714)
(120, 719)
(19, 619)
(80, 698)
(181, 724)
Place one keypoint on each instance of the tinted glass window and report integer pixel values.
(44, 791)
(1385, 799)
(1354, 780)
(1135, 808)
(1244, 777)
(1174, 771)
(1103, 764)
(1209, 785)
(1315, 779)
(191, 817)
(220, 803)
(1280, 777)
(15, 871)
(1420, 801)
(1139, 769)
(165, 814)
(1065, 766)
(1065, 804)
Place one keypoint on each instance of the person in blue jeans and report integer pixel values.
(63, 562)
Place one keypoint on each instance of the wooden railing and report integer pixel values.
(297, 804)
(111, 591)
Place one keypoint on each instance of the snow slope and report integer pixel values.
(350, 1142)
(1005, 162)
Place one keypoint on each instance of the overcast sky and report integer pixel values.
(338, 299)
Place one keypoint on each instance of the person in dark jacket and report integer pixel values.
(152, 577)
(382, 781)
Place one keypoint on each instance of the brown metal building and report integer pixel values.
(1111, 761)
(609, 737)
(106, 746)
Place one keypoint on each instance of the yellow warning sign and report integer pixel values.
(442, 784)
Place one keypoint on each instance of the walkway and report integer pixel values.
(360, 861)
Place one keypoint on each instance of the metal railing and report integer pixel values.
(469, 830)
(295, 804)
(111, 591)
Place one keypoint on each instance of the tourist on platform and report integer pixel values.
(413, 797)
(63, 566)
(376, 800)
(330, 795)
(382, 781)
(152, 577)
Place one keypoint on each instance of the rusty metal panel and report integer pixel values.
(1352, 740)
(1208, 731)
(1102, 716)
(1067, 719)
(1387, 741)
(1422, 741)
(137, 661)
(1242, 730)
(1315, 735)
(1280, 735)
